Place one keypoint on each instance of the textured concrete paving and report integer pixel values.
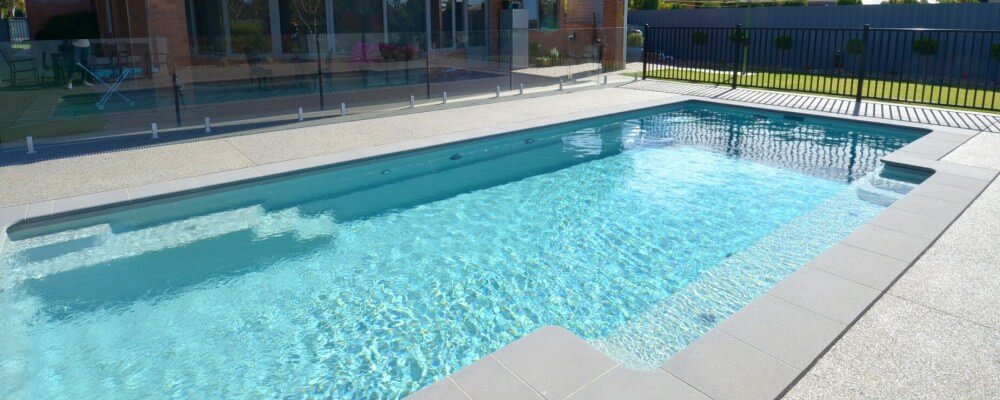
(936, 333)
(67, 177)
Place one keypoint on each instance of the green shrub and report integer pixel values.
(635, 39)
(783, 42)
(854, 46)
(848, 2)
(795, 3)
(925, 46)
(699, 38)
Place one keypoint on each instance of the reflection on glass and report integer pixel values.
(406, 22)
(249, 27)
(477, 22)
(548, 17)
(205, 27)
(358, 28)
(442, 23)
(303, 25)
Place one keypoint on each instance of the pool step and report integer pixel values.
(50, 254)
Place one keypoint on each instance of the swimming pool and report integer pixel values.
(637, 232)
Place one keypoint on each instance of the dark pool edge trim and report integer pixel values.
(550, 359)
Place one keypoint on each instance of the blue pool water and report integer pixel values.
(637, 232)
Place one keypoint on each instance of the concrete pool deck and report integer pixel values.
(757, 353)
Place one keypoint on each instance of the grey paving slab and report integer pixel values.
(553, 361)
(785, 331)
(623, 383)
(40, 209)
(902, 350)
(87, 201)
(162, 188)
(965, 170)
(909, 222)
(723, 367)
(963, 182)
(9, 215)
(225, 177)
(946, 192)
(831, 296)
(929, 206)
(487, 379)
(444, 389)
(857, 264)
(899, 245)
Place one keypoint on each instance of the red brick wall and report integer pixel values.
(39, 11)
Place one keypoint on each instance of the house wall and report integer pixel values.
(39, 11)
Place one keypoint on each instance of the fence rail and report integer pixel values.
(942, 67)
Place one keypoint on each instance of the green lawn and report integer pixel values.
(941, 95)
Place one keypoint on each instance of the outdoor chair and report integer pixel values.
(19, 64)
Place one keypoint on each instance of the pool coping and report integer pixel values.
(758, 352)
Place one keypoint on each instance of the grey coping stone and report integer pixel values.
(888, 242)
(965, 170)
(162, 188)
(12, 215)
(487, 379)
(937, 208)
(963, 182)
(723, 367)
(553, 361)
(623, 383)
(785, 331)
(933, 151)
(909, 222)
(227, 177)
(444, 389)
(837, 298)
(88, 201)
(37, 210)
(945, 192)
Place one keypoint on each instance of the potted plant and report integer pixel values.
(634, 41)
(783, 43)
(925, 47)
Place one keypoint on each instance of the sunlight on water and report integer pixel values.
(375, 280)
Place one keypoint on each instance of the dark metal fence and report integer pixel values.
(942, 67)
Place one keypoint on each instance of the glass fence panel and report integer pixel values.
(59, 92)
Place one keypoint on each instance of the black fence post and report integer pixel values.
(738, 46)
(862, 66)
(177, 101)
(319, 73)
(645, 48)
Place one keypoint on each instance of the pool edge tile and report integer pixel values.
(553, 361)
(160, 189)
(443, 389)
(790, 333)
(488, 379)
(623, 383)
(826, 294)
(89, 201)
(723, 367)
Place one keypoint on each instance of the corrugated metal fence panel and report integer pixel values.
(940, 16)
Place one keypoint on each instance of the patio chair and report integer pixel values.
(19, 64)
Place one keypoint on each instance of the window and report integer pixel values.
(303, 24)
(249, 27)
(548, 16)
(358, 26)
